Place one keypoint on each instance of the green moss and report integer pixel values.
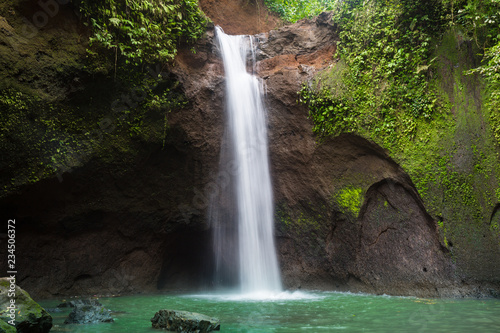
(41, 138)
(350, 199)
(59, 108)
(6, 328)
(453, 160)
(307, 222)
(379, 88)
(303, 222)
(28, 309)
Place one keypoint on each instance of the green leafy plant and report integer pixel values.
(382, 89)
(294, 10)
(142, 31)
(479, 20)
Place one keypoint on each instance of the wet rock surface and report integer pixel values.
(6, 328)
(240, 17)
(88, 312)
(184, 321)
(28, 316)
(78, 302)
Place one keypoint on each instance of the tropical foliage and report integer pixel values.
(420, 78)
(143, 31)
(294, 10)
(386, 62)
(481, 22)
(381, 84)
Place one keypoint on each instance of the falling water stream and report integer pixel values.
(247, 133)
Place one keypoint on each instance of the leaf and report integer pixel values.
(114, 21)
(413, 23)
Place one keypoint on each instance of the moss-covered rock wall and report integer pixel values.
(455, 163)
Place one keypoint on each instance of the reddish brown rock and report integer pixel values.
(240, 17)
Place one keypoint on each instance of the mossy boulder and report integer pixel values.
(184, 321)
(29, 316)
(6, 328)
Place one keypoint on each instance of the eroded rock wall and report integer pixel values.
(391, 244)
(240, 17)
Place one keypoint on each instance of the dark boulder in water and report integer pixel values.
(72, 304)
(184, 321)
(88, 312)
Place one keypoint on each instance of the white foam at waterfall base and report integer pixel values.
(261, 296)
(247, 128)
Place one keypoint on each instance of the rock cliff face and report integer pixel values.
(347, 216)
(240, 17)
(390, 245)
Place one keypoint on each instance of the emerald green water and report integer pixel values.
(302, 312)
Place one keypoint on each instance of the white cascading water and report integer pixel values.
(247, 130)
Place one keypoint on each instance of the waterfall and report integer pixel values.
(251, 194)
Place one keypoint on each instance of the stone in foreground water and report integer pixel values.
(28, 315)
(184, 321)
(88, 312)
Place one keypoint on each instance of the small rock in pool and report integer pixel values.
(85, 301)
(88, 314)
(184, 321)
